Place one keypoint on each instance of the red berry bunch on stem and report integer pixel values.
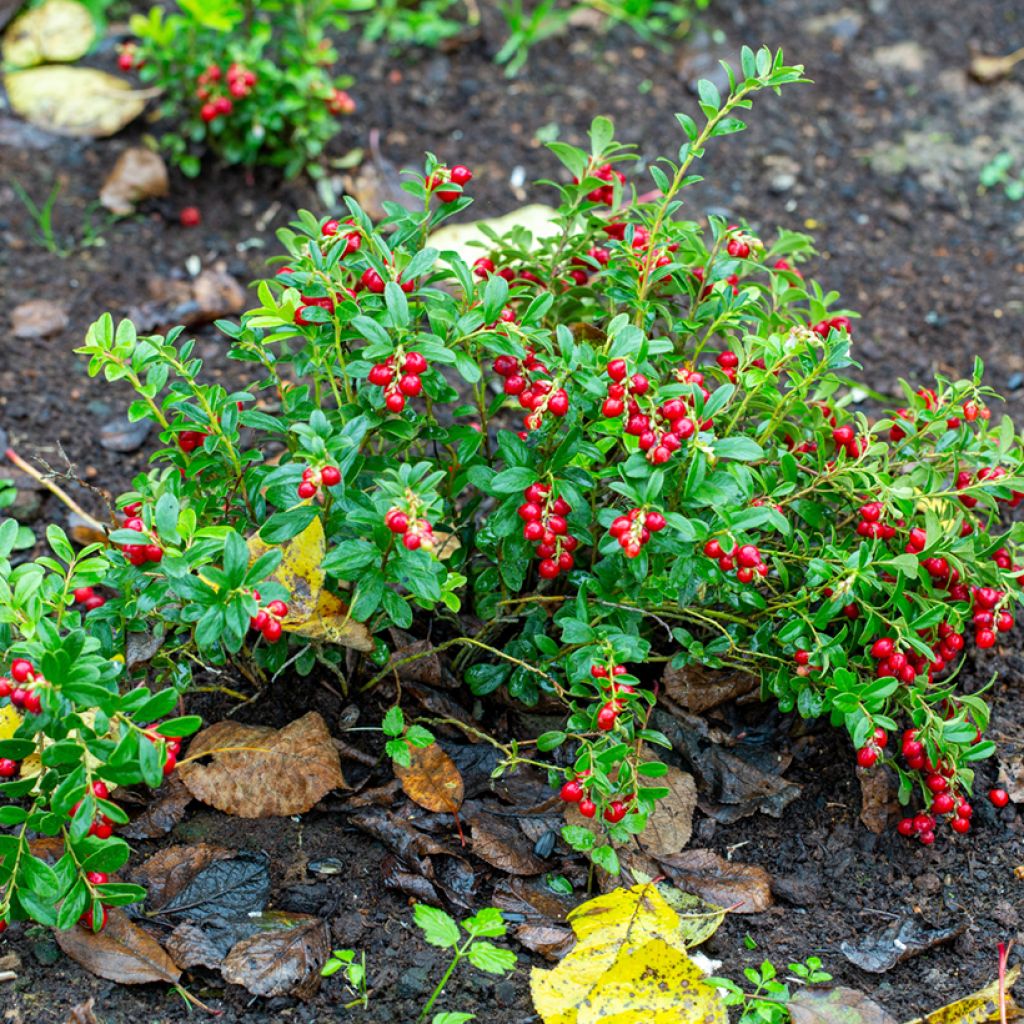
(745, 559)
(140, 554)
(339, 102)
(605, 194)
(23, 686)
(836, 323)
(872, 523)
(128, 56)
(868, 755)
(529, 381)
(240, 81)
(210, 90)
(545, 525)
(268, 620)
(399, 386)
(336, 229)
(416, 533)
(88, 598)
(634, 529)
(313, 479)
(442, 176)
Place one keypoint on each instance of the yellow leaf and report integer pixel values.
(74, 101)
(629, 966)
(980, 1008)
(313, 612)
(57, 30)
(698, 919)
(9, 722)
(331, 623)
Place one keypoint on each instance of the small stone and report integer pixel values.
(138, 174)
(121, 435)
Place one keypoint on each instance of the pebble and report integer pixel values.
(413, 982)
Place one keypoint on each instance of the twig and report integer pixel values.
(55, 490)
(1004, 956)
(7, 976)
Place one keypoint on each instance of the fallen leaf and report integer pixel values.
(628, 966)
(432, 780)
(138, 174)
(699, 689)
(278, 773)
(879, 798)
(313, 612)
(550, 941)
(223, 887)
(536, 218)
(502, 845)
(74, 101)
(38, 318)
(987, 69)
(9, 722)
(835, 1006)
(160, 814)
(670, 825)
(169, 870)
(740, 888)
(217, 294)
(57, 30)
(284, 958)
(880, 951)
(698, 919)
(122, 952)
(980, 1008)
(1011, 777)
(82, 1013)
(197, 945)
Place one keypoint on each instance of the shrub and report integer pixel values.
(251, 84)
(691, 485)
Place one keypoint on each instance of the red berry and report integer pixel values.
(713, 549)
(307, 489)
(985, 638)
(960, 825)
(88, 920)
(8, 768)
(330, 475)
(101, 829)
(278, 609)
(943, 803)
(616, 369)
(615, 812)
(906, 827)
(571, 792)
(548, 569)
(372, 281)
(82, 594)
(460, 175)
(587, 807)
(882, 648)
(190, 217)
(867, 757)
(97, 877)
(272, 630)
(936, 783)
(395, 401)
(998, 797)
(21, 670)
(606, 717)
(99, 790)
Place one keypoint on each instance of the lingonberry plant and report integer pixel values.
(251, 83)
(690, 484)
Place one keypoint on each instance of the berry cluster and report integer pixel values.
(613, 693)
(746, 559)
(740, 245)
(375, 284)
(457, 175)
(189, 441)
(240, 81)
(545, 525)
(415, 533)
(22, 688)
(729, 362)
(399, 387)
(528, 381)
(268, 620)
(172, 744)
(605, 194)
(339, 102)
(871, 522)
(140, 554)
(868, 755)
(987, 620)
(312, 479)
(940, 782)
(102, 827)
(210, 89)
(128, 56)
(353, 239)
(88, 598)
(634, 529)
(836, 323)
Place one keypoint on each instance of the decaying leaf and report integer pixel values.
(1011, 777)
(980, 1008)
(432, 780)
(879, 798)
(57, 30)
(283, 958)
(225, 887)
(628, 966)
(536, 218)
(835, 1006)
(740, 888)
(698, 919)
(501, 844)
(138, 174)
(83, 1013)
(881, 951)
(699, 689)
(160, 814)
(122, 952)
(313, 612)
(74, 101)
(670, 825)
(169, 870)
(259, 772)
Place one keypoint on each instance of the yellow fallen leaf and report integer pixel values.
(629, 966)
(536, 218)
(980, 1008)
(313, 612)
(57, 30)
(9, 722)
(432, 780)
(74, 101)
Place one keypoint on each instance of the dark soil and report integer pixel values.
(879, 159)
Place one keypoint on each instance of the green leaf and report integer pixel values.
(487, 923)
(606, 857)
(550, 741)
(439, 928)
(394, 722)
(485, 956)
(579, 838)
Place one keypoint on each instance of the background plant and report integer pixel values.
(250, 82)
(690, 484)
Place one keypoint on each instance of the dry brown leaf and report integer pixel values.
(330, 622)
(122, 952)
(161, 814)
(670, 826)
(278, 773)
(169, 870)
(879, 799)
(38, 318)
(57, 30)
(82, 1013)
(432, 780)
(551, 941)
(699, 689)
(502, 845)
(283, 960)
(835, 1006)
(74, 101)
(739, 888)
(138, 174)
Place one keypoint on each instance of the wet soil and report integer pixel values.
(879, 159)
